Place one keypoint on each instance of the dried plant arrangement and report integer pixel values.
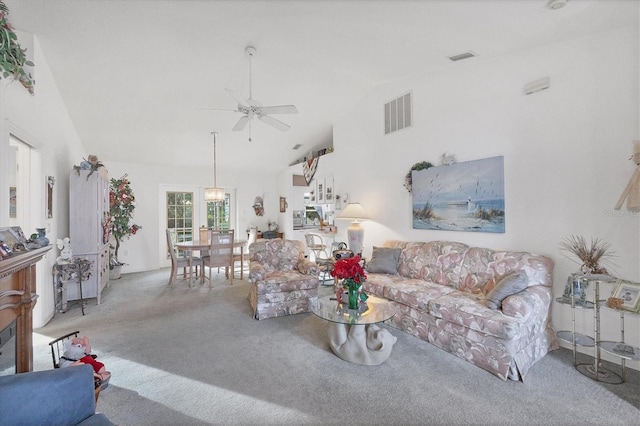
(591, 255)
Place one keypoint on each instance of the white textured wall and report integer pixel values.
(42, 121)
(565, 151)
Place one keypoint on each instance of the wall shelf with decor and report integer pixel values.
(313, 154)
(574, 296)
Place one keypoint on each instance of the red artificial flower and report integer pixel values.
(349, 268)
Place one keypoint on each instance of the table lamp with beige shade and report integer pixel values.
(355, 232)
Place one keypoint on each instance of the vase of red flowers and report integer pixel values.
(353, 277)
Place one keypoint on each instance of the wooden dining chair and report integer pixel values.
(180, 261)
(241, 254)
(220, 253)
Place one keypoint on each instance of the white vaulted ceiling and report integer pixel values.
(133, 73)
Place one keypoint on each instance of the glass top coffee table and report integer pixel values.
(354, 334)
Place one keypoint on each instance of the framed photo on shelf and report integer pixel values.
(629, 292)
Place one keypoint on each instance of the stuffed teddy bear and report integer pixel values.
(78, 351)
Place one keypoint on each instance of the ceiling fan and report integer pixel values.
(251, 108)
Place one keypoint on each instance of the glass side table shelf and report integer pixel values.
(620, 348)
(594, 371)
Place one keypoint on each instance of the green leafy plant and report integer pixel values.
(13, 58)
(591, 255)
(408, 181)
(121, 207)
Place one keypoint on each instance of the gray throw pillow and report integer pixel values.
(508, 285)
(384, 260)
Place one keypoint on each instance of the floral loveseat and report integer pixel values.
(283, 281)
(440, 291)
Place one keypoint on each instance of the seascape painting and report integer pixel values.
(466, 196)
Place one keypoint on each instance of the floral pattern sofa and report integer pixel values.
(439, 294)
(283, 281)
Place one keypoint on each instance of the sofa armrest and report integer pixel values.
(533, 301)
(257, 271)
(307, 267)
(60, 396)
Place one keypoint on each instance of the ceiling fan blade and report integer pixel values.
(239, 99)
(279, 109)
(273, 122)
(241, 123)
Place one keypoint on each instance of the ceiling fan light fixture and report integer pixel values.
(251, 108)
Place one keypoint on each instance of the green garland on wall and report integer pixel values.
(423, 165)
(13, 58)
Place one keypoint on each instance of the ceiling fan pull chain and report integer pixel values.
(250, 51)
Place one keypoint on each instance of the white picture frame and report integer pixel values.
(320, 191)
(329, 196)
(629, 292)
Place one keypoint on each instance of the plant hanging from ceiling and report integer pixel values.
(13, 58)
(423, 165)
(121, 206)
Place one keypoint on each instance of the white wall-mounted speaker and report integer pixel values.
(538, 85)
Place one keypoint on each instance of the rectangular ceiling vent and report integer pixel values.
(397, 114)
(297, 146)
(461, 56)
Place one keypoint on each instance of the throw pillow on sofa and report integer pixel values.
(384, 260)
(508, 285)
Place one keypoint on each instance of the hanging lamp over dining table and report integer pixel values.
(214, 194)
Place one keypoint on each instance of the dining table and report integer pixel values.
(203, 245)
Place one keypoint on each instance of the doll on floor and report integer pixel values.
(78, 351)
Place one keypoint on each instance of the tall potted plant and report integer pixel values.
(121, 207)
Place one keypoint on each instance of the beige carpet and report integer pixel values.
(196, 356)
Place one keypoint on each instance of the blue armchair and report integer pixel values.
(62, 396)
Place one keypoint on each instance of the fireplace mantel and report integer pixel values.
(17, 298)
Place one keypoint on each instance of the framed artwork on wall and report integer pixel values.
(328, 190)
(283, 205)
(467, 196)
(320, 191)
(13, 212)
(49, 194)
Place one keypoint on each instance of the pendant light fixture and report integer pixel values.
(214, 194)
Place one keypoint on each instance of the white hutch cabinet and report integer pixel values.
(88, 216)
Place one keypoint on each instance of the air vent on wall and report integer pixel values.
(461, 56)
(397, 114)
